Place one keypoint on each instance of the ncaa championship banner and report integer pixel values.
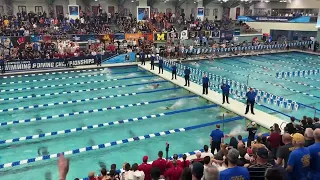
(160, 37)
(47, 63)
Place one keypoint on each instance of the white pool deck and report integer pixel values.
(263, 119)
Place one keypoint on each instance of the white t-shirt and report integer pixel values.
(204, 154)
(26, 33)
(82, 20)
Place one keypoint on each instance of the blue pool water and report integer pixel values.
(46, 114)
(262, 71)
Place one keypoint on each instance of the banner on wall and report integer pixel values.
(200, 13)
(84, 37)
(106, 37)
(184, 34)
(160, 37)
(73, 11)
(143, 13)
(237, 32)
(226, 35)
(173, 35)
(119, 36)
(148, 36)
(215, 34)
(19, 41)
(207, 34)
(134, 36)
(46, 63)
(193, 34)
(299, 19)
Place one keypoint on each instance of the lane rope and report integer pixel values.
(292, 63)
(78, 91)
(67, 131)
(278, 85)
(264, 67)
(90, 111)
(82, 100)
(292, 81)
(115, 143)
(71, 84)
(66, 77)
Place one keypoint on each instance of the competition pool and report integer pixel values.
(261, 72)
(99, 117)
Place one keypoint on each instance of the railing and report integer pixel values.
(250, 31)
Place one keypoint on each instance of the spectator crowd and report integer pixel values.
(289, 155)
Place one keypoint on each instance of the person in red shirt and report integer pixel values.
(275, 139)
(146, 168)
(160, 163)
(173, 173)
(175, 158)
(185, 163)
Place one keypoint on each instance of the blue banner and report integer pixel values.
(119, 36)
(84, 37)
(47, 63)
(297, 19)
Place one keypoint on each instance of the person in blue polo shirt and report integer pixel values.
(174, 71)
(298, 166)
(216, 137)
(152, 62)
(143, 60)
(187, 76)
(205, 84)
(225, 92)
(251, 96)
(315, 156)
(160, 64)
(2, 65)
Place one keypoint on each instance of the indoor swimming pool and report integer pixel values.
(101, 116)
(262, 72)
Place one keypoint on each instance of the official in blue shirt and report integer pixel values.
(160, 64)
(152, 62)
(298, 165)
(315, 156)
(2, 65)
(143, 60)
(251, 96)
(205, 84)
(187, 76)
(216, 137)
(174, 71)
(225, 92)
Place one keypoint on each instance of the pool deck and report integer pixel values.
(264, 119)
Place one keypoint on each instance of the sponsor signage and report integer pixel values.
(160, 37)
(215, 34)
(173, 35)
(46, 63)
(298, 19)
(193, 34)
